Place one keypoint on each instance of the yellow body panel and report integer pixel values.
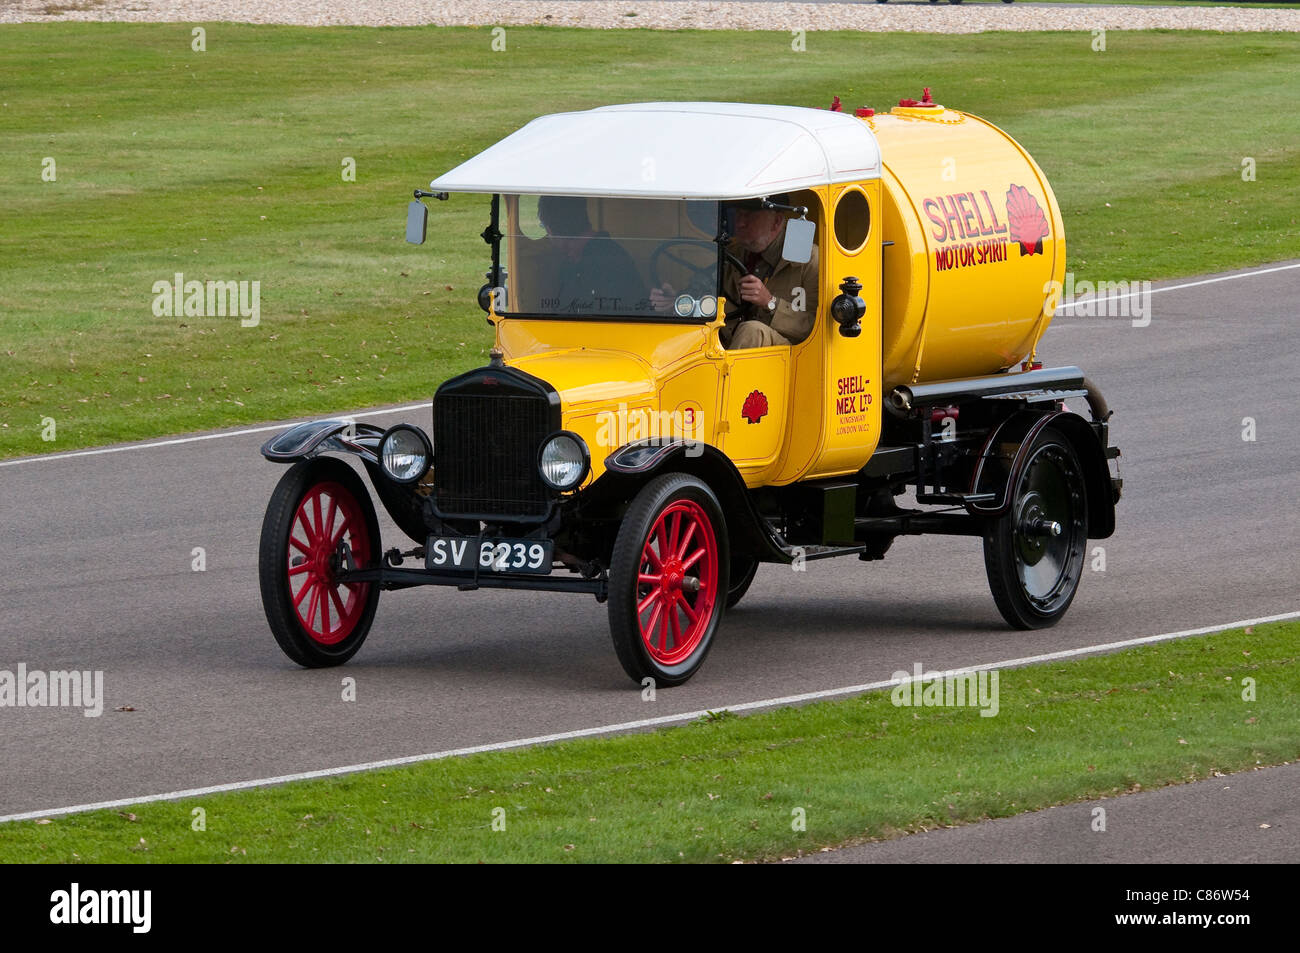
(961, 241)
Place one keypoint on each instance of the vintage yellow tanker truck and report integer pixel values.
(622, 443)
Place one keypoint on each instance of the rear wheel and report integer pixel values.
(319, 519)
(1034, 553)
(668, 580)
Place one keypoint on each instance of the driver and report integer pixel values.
(590, 271)
(775, 301)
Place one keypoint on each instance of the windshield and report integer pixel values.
(568, 256)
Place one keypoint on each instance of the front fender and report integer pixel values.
(311, 439)
(405, 504)
(633, 465)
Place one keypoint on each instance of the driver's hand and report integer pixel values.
(662, 298)
(754, 291)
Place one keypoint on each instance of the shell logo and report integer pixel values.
(1027, 221)
(755, 406)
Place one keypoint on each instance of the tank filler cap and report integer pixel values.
(923, 107)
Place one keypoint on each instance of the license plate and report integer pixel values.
(489, 555)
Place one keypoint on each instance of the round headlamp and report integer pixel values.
(405, 454)
(564, 461)
(684, 306)
(708, 306)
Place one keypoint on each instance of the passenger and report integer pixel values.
(761, 304)
(590, 272)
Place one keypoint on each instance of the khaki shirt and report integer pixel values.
(785, 277)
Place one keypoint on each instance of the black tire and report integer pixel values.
(1032, 573)
(636, 606)
(743, 570)
(316, 641)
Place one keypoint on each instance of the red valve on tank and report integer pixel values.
(1031, 365)
(939, 414)
(925, 100)
(864, 112)
(835, 105)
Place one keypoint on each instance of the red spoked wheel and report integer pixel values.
(668, 580)
(678, 582)
(320, 520)
(328, 519)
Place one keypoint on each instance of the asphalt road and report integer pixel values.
(99, 577)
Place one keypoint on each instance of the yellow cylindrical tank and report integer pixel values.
(977, 243)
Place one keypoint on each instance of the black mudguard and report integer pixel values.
(404, 504)
(631, 466)
(997, 471)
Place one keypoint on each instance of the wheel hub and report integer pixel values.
(1047, 522)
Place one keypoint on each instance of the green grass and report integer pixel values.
(226, 165)
(727, 788)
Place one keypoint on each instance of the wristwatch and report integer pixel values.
(771, 303)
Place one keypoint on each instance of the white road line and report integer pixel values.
(375, 413)
(627, 726)
(207, 436)
(1092, 298)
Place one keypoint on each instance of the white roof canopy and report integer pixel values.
(673, 151)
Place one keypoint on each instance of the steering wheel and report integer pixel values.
(700, 276)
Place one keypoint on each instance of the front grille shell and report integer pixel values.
(488, 428)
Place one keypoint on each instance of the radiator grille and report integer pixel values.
(486, 440)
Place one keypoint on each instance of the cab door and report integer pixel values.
(755, 409)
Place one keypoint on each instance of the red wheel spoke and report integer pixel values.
(677, 629)
(651, 578)
(680, 551)
(311, 606)
(653, 558)
(296, 570)
(648, 600)
(329, 519)
(693, 559)
(691, 614)
(338, 604)
(302, 548)
(315, 506)
(343, 528)
(307, 587)
(649, 629)
(659, 538)
(673, 533)
(324, 614)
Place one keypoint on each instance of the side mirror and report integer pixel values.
(417, 221)
(799, 235)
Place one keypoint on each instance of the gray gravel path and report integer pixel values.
(664, 15)
(1247, 818)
